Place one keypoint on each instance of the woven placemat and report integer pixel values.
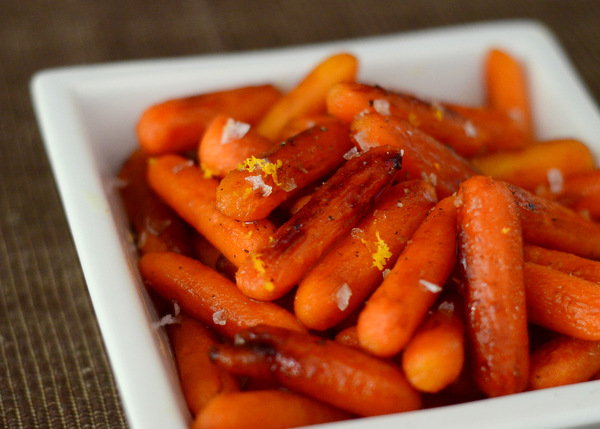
(54, 371)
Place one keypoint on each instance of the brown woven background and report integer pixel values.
(53, 368)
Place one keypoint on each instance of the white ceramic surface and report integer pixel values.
(87, 116)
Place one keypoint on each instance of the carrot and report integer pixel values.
(261, 183)
(581, 193)
(308, 96)
(228, 142)
(482, 130)
(564, 360)
(348, 337)
(184, 188)
(274, 269)
(545, 164)
(424, 157)
(156, 226)
(201, 380)
(176, 125)
(207, 296)
(266, 409)
(551, 225)
(561, 302)
(507, 88)
(562, 261)
(297, 125)
(491, 252)
(352, 269)
(400, 303)
(434, 356)
(323, 369)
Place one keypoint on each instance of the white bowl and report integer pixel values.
(87, 116)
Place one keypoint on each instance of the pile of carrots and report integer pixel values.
(342, 250)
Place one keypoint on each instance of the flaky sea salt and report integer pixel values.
(258, 183)
(555, 180)
(351, 154)
(431, 287)
(470, 130)
(234, 130)
(342, 296)
(219, 317)
(382, 107)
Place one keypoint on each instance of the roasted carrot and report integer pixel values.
(266, 409)
(297, 125)
(261, 183)
(491, 252)
(581, 193)
(156, 226)
(201, 380)
(551, 225)
(176, 125)
(562, 302)
(207, 296)
(348, 337)
(226, 143)
(274, 269)
(308, 96)
(434, 357)
(182, 185)
(544, 164)
(564, 360)
(400, 303)
(424, 157)
(352, 269)
(479, 132)
(323, 369)
(507, 89)
(568, 263)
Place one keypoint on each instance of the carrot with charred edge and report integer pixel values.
(491, 251)
(424, 157)
(228, 142)
(400, 303)
(507, 89)
(201, 380)
(551, 225)
(261, 183)
(581, 193)
(176, 125)
(207, 296)
(564, 360)
(184, 188)
(308, 97)
(157, 227)
(266, 409)
(481, 131)
(323, 369)
(350, 271)
(562, 302)
(434, 357)
(545, 164)
(274, 269)
(568, 263)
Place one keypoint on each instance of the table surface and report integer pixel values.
(54, 371)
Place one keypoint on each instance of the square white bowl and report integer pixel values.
(87, 116)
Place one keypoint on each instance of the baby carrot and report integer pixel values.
(568, 263)
(228, 142)
(184, 188)
(274, 269)
(308, 97)
(424, 157)
(507, 88)
(581, 193)
(323, 369)
(564, 360)
(544, 164)
(470, 135)
(348, 337)
(201, 380)
(548, 224)
(352, 269)
(156, 225)
(491, 252)
(562, 302)
(176, 125)
(261, 183)
(400, 303)
(434, 356)
(207, 296)
(266, 409)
